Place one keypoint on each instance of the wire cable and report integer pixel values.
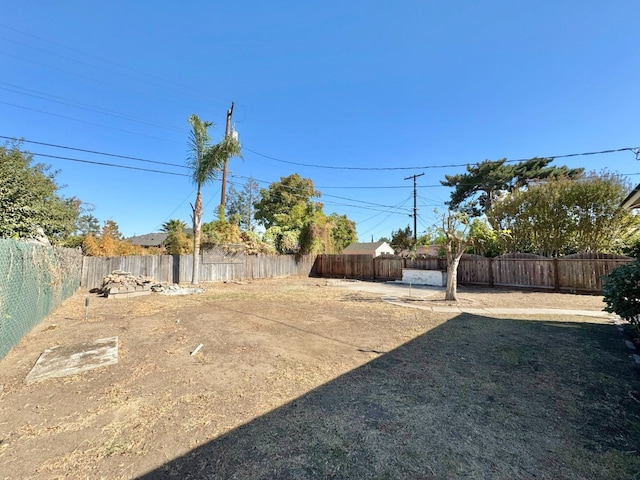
(104, 164)
(333, 167)
(87, 122)
(183, 89)
(138, 159)
(62, 101)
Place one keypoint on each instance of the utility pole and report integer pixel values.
(415, 206)
(227, 132)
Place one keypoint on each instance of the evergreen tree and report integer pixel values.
(476, 191)
(29, 198)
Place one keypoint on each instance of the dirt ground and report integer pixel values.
(282, 388)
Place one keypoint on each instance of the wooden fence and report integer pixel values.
(580, 273)
(178, 268)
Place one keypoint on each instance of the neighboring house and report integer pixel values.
(375, 249)
(633, 199)
(154, 239)
(149, 240)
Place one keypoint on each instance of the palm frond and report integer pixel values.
(199, 145)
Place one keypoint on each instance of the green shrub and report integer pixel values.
(622, 292)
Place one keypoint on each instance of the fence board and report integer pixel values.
(586, 274)
(474, 270)
(179, 268)
(346, 266)
(524, 272)
(576, 273)
(387, 268)
(428, 263)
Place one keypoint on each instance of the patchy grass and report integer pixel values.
(299, 379)
(475, 397)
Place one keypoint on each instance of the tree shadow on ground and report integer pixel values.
(476, 397)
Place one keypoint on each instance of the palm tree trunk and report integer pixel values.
(197, 226)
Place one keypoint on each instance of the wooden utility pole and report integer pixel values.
(415, 206)
(227, 132)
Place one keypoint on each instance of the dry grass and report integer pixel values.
(298, 379)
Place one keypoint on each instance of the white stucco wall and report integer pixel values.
(435, 278)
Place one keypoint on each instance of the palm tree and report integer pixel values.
(204, 164)
(227, 148)
(173, 225)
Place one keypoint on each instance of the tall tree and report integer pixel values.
(402, 239)
(86, 224)
(240, 204)
(344, 232)
(326, 234)
(285, 208)
(29, 198)
(110, 238)
(110, 243)
(229, 147)
(476, 191)
(295, 222)
(204, 167)
(288, 202)
(558, 217)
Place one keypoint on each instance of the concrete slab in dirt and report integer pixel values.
(182, 291)
(398, 289)
(66, 360)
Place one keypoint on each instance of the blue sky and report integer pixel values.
(333, 91)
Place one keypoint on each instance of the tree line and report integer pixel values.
(286, 217)
(534, 207)
(495, 207)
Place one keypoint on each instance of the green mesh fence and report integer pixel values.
(34, 280)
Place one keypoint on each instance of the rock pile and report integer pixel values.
(120, 282)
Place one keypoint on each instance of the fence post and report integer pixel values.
(556, 274)
(491, 272)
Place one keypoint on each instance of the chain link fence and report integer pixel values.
(34, 280)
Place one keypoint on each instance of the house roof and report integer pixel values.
(154, 239)
(633, 199)
(149, 240)
(365, 247)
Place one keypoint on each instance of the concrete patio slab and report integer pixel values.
(66, 360)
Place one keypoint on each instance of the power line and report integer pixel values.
(369, 187)
(383, 220)
(333, 167)
(62, 101)
(363, 204)
(179, 174)
(601, 152)
(321, 196)
(183, 89)
(379, 206)
(108, 164)
(96, 152)
(87, 122)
